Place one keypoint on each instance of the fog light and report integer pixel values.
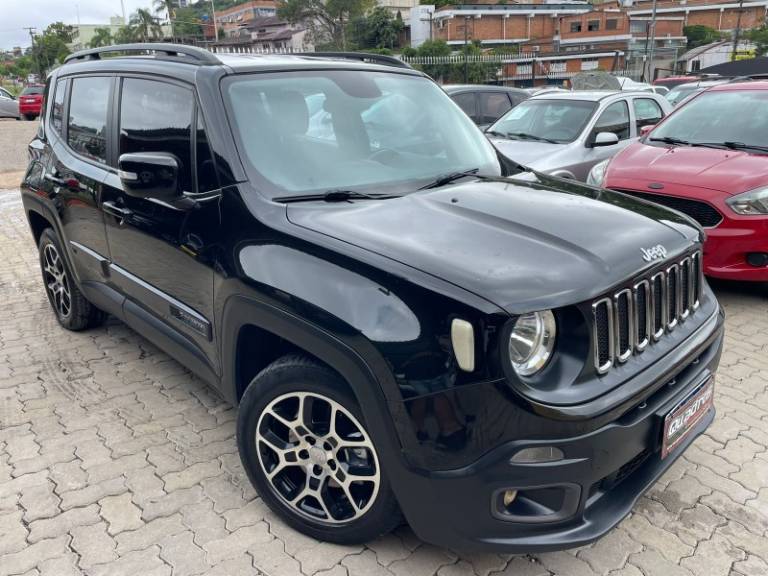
(537, 455)
(757, 259)
(509, 497)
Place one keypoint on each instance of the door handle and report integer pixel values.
(115, 210)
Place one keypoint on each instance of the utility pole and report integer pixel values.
(215, 26)
(653, 43)
(122, 5)
(37, 56)
(466, 50)
(738, 32)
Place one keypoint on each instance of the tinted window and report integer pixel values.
(493, 105)
(614, 119)
(157, 117)
(29, 90)
(206, 169)
(57, 111)
(88, 117)
(466, 102)
(558, 120)
(647, 112)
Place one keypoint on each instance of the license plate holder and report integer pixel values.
(682, 419)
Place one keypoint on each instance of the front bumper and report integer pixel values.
(601, 477)
(727, 246)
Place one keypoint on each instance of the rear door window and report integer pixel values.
(615, 118)
(57, 110)
(647, 112)
(87, 126)
(493, 105)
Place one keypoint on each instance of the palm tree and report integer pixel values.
(101, 37)
(167, 6)
(146, 25)
(125, 35)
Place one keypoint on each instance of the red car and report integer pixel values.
(31, 101)
(672, 81)
(709, 160)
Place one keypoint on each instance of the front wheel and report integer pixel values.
(304, 444)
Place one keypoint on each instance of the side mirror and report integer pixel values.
(149, 175)
(605, 139)
(646, 129)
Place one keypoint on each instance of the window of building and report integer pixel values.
(590, 64)
(157, 117)
(647, 112)
(57, 112)
(615, 118)
(575, 26)
(695, 65)
(611, 24)
(593, 25)
(87, 125)
(637, 26)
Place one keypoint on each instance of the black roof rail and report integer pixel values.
(191, 54)
(361, 56)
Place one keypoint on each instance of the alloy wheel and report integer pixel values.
(317, 458)
(56, 281)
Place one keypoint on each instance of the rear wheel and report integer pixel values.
(305, 446)
(72, 309)
(29, 116)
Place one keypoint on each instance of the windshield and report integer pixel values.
(558, 120)
(377, 132)
(718, 117)
(679, 93)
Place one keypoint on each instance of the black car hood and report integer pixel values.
(521, 245)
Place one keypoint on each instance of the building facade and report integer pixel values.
(241, 14)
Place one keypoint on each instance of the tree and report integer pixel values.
(101, 37)
(145, 25)
(186, 23)
(328, 19)
(125, 35)
(699, 35)
(760, 37)
(378, 29)
(50, 47)
(167, 6)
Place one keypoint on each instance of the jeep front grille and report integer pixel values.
(627, 322)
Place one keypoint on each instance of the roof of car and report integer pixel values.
(745, 85)
(588, 95)
(700, 84)
(479, 87)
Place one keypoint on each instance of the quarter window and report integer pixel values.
(647, 112)
(87, 132)
(57, 112)
(157, 117)
(615, 118)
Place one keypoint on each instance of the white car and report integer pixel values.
(9, 106)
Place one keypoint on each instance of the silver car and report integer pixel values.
(9, 106)
(566, 133)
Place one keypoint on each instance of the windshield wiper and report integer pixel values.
(526, 136)
(495, 133)
(671, 140)
(335, 196)
(448, 178)
(743, 146)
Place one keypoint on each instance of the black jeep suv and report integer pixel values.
(409, 323)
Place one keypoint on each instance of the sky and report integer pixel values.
(15, 15)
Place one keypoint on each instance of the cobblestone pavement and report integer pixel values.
(115, 460)
(14, 136)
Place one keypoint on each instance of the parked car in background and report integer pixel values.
(9, 106)
(485, 103)
(31, 101)
(566, 133)
(708, 160)
(672, 81)
(680, 93)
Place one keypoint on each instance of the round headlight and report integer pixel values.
(531, 342)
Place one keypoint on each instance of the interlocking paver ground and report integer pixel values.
(114, 459)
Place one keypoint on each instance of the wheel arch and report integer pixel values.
(37, 223)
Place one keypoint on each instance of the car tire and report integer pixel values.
(307, 481)
(73, 311)
(29, 117)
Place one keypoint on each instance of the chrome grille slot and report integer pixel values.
(643, 314)
(631, 319)
(603, 334)
(624, 324)
(673, 296)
